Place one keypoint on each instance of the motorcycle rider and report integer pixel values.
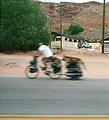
(47, 54)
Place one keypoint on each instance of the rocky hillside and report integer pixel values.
(88, 15)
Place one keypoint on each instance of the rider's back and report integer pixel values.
(45, 50)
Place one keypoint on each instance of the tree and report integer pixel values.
(74, 29)
(23, 26)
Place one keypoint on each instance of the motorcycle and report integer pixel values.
(74, 67)
(54, 71)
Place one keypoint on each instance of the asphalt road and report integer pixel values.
(20, 95)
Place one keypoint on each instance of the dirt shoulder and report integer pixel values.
(97, 64)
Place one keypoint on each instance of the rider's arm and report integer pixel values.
(38, 53)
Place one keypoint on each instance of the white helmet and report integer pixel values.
(40, 44)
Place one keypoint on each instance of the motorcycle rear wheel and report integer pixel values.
(53, 75)
(31, 75)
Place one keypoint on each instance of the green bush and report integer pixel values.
(74, 29)
(23, 26)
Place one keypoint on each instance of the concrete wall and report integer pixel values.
(72, 45)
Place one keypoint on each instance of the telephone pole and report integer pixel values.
(61, 26)
(61, 13)
(50, 30)
(103, 26)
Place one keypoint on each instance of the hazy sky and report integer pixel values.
(77, 1)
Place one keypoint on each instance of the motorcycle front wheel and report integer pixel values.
(31, 72)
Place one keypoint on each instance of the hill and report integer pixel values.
(88, 15)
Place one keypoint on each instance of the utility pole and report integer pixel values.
(50, 26)
(61, 13)
(50, 30)
(103, 27)
(61, 26)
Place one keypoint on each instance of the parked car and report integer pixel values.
(80, 45)
(84, 45)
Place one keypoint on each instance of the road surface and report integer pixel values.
(44, 96)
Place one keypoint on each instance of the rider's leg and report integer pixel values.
(44, 63)
(45, 66)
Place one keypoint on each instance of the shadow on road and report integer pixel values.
(60, 79)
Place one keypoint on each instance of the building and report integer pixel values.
(67, 37)
(106, 45)
(106, 40)
(68, 41)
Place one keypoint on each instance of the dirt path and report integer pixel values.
(14, 64)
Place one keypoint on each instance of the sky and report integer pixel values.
(76, 1)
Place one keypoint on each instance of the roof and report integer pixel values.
(106, 39)
(67, 35)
